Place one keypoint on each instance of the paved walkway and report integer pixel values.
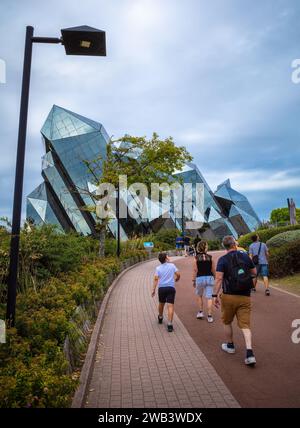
(275, 381)
(140, 364)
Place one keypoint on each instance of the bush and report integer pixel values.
(285, 260)
(34, 371)
(214, 245)
(283, 238)
(265, 235)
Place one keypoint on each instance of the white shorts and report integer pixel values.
(205, 286)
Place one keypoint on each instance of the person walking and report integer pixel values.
(203, 279)
(234, 275)
(259, 254)
(165, 277)
(187, 242)
(196, 242)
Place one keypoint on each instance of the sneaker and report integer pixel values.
(170, 328)
(267, 292)
(200, 315)
(225, 348)
(210, 318)
(160, 319)
(250, 361)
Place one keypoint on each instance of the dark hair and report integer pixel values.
(162, 257)
(228, 242)
(254, 237)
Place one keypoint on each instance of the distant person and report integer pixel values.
(165, 277)
(259, 254)
(196, 241)
(187, 242)
(203, 279)
(179, 243)
(234, 274)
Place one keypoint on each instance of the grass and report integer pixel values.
(289, 283)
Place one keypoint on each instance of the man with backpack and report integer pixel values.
(259, 254)
(235, 274)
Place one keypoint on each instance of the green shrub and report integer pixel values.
(214, 245)
(283, 238)
(285, 260)
(264, 234)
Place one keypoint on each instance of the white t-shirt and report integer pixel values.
(165, 273)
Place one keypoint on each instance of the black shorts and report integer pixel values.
(166, 295)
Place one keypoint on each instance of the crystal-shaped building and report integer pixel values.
(237, 208)
(72, 142)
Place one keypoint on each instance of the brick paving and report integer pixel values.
(139, 364)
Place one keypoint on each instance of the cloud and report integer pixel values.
(213, 75)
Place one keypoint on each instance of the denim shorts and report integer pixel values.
(262, 270)
(205, 286)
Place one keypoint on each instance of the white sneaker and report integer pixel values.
(228, 350)
(250, 361)
(200, 315)
(210, 318)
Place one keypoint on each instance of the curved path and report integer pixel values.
(140, 364)
(275, 382)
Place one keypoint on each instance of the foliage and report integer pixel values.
(265, 235)
(64, 272)
(214, 245)
(282, 215)
(283, 238)
(285, 260)
(141, 160)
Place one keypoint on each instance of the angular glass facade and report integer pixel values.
(71, 141)
(237, 208)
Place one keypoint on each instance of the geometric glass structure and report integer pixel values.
(216, 221)
(71, 141)
(237, 208)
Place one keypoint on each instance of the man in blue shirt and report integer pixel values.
(259, 254)
(165, 277)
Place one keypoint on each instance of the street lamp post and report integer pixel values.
(118, 222)
(82, 40)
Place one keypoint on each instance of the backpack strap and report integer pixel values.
(259, 249)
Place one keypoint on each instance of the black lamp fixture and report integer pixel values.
(83, 40)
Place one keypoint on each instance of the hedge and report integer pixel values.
(283, 238)
(67, 282)
(285, 260)
(264, 234)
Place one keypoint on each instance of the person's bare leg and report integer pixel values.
(266, 281)
(209, 306)
(170, 313)
(228, 333)
(161, 309)
(200, 303)
(248, 337)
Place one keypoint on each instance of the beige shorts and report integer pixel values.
(239, 306)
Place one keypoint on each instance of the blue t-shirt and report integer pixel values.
(223, 265)
(165, 273)
(253, 250)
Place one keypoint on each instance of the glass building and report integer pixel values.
(72, 142)
(237, 208)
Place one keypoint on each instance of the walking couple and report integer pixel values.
(229, 283)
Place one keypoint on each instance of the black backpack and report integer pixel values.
(239, 276)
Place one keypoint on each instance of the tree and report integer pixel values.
(142, 160)
(282, 215)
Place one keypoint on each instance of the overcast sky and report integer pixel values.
(214, 74)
